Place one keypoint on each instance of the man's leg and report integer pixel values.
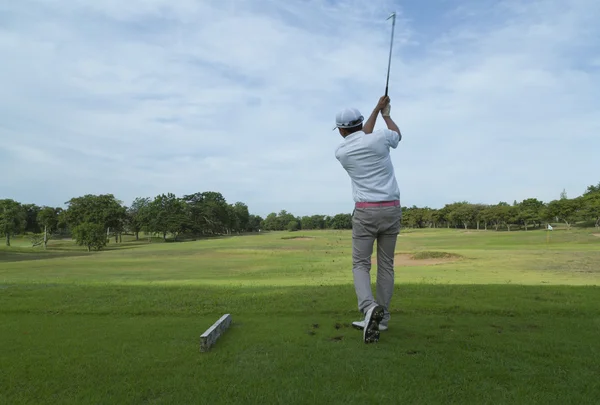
(386, 245)
(389, 226)
(363, 239)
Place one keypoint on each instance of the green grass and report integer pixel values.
(515, 321)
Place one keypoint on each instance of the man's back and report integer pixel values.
(366, 158)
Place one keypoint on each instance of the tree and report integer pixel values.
(486, 215)
(530, 211)
(254, 223)
(564, 209)
(511, 215)
(342, 221)
(285, 218)
(439, 217)
(242, 216)
(592, 189)
(13, 219)
(590, 203)
(313, 222)
(271, 223)
(501, 214)
(31, 211)
(48, 219)
(462, 213)
(478, 210)
(167, 215)
(293, 226)
(563, 195)
(208, 213)
(91, 235)
(103, 209)
(138, 215)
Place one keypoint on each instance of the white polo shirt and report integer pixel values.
(366, 158)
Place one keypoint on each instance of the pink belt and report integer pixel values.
(394, 203)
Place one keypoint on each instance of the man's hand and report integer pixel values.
(383, 102)
(387, 110)
(381, 105)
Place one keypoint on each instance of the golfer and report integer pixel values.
(365, 155)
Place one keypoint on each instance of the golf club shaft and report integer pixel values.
(393, 16)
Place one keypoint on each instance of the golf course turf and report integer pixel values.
(477, 318)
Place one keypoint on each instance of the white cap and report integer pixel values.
(348, 118)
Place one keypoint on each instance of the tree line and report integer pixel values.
(92, 219)
(527, 214)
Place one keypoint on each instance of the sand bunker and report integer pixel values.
(422, 259)
(596, 235)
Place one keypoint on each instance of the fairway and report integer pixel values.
(506, 318)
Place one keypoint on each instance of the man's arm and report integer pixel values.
(391, 124)
(394, 137)
(370, 123)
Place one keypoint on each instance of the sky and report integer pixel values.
(496, 100)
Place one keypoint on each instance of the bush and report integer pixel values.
(90, 235)
(293, 226)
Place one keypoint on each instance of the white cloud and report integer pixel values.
(495, 101)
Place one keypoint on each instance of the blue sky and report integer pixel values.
(497, 100)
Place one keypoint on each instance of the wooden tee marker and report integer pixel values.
(208, 338)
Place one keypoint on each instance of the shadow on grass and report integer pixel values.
(7, 256)
(458, 344)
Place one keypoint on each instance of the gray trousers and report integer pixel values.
(381, 224)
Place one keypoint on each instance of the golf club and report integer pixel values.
(393, 16)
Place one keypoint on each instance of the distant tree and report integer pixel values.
(242, 216)
(563, 195)
(254, 223)
(501, 214)
(31, 213)
(478, 216)
(167, 215)
(438, 217)
(293, 226)
(48, 219)
(590, 204)
(512, 216)
(463, 213)
(285, 218)
(138, 215)
(102, 209)
(409, 217)
(530, 211)
(564, 209)
(306, 222)
(486, 215)
(592, 189)
(271, 223)
(342, 221)
(13, 219)
(90, 235)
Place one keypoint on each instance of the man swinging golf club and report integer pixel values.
(365, 155)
